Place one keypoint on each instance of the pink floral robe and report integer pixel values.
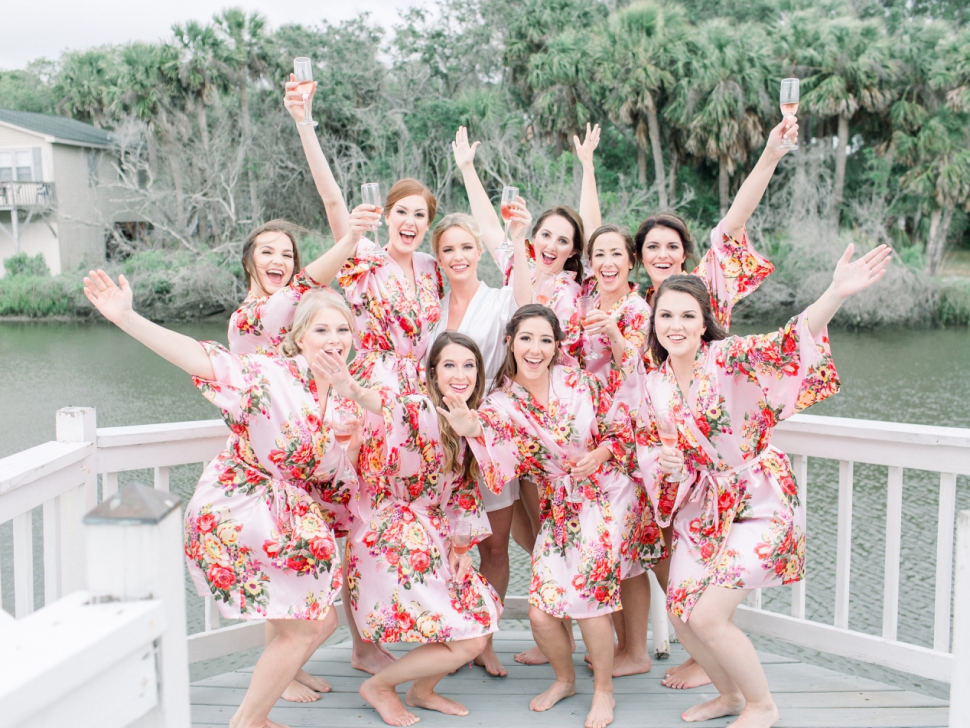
(738, 521)
(576, 561)
(394, 320)
(260, 324)
(398, 571)
(255, 539)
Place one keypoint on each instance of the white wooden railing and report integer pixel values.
(61, 478)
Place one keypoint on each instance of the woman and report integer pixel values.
(417, 481)
(738, 521)
(256, 538)
(473, 308)
(546, 422)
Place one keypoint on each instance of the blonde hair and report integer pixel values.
(455, 220)
(312, 303)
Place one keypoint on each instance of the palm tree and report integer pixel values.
(636, 53)
(721, 97)
(84, 84)
(200, 69)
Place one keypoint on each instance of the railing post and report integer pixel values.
(659, 619)
(76, 424)
(134, 551)
(960, 679)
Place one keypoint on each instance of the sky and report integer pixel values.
(44, 28)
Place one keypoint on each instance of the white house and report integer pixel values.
(50, 201)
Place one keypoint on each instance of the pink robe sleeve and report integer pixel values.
(354, 276)
(665, 496)
(229, 388)
(264, 322)
(497, 450)
(731, 269)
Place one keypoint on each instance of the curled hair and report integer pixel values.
(455, 220)
(450, 440)
(672, 222)
(695, 287)
(574, 262)
(407, 187)
(631, 249)
(312, 303)
(509, 368)
(289, 229)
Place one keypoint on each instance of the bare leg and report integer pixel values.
(634, 657)
(598, 636)
(550, 635)
(295, 692)
(277, 666)
(494, 553)
(426, 665)
(365, 656)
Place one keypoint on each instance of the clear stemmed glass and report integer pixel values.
(461, 540)
(584, 305)
(575, 450)
(508, 197)
(370, 193)
(667, 429)
(545, 288)
(789, 106)
(303, 70)
(344, 424)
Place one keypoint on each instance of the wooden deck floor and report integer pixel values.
(806, 695)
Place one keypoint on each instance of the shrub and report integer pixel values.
(23, 265)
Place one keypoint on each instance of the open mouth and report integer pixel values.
(609, 276)
(275, 276)
(338, 352)
(459, 267)
(663, 266)
(548, 258)
(534, 363)
(459, 388)
(676, 338)
(407, 236)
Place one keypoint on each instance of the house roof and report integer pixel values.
(57, 128)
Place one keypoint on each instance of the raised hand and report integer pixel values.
(787, 129)
(464, 154)
(600, 322)
(334, 369)
(462, 420)
(293, 99)
(851, 278)
(585, 149)
(363, 219)
(521, 220)
(113, 302)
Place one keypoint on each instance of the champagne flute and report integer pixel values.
(508, 198)
(575, 449)
(370, 193)
(585, 305)
(461, 540)
(303, 70)
(789, 106)
(545, 288)
(667, 429)
(344, 424)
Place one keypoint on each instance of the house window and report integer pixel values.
(16, 165)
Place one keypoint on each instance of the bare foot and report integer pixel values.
(489, 660)
(714, 709)
(687, 677)
(386, 702)
(625, 664)
(434, 701)
(234, 723)
(556, 692)
(534, 656)
(601, 712)
(371, 658)
(297, 692)
(616, 651)
(313, 682)
(757, 715)
(686, 663)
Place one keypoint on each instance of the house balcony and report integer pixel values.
(31, 196)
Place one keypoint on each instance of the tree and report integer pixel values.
(84, 84)
(199, 68)
(25, 91)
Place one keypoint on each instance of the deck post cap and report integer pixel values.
(132, 505)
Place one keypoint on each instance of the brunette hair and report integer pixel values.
(693, 286)
(455, 220)
(631, 249)
(289, 229)
(450, 441)
(309, 306)
(530, 311)
(672, 222)
(574, 262)
(410, 186)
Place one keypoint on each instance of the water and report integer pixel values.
(919, 376)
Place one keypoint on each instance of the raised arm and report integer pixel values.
(325, 268)
(589, 199)
(114, 303)
(327, 187)
(848, 280)
(756, 183)
(518, 228)
(482, 210)
(335, 369)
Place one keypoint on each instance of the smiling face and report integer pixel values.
(679, 324)
(663, 254)
(458, 255)
(611, 263)
(553, 244)
(272, 263)
(457, 371)
(534, 348)
(407, 222)
(329, 331)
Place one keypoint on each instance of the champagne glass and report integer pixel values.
(508, 198)
(575, 449)
(370, 193)
(461, 539)
(303, 70)
(789, 106)
(545, 288)
(667, 429)
(585, 305)
(344, 424)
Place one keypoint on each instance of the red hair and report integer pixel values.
(407, 187)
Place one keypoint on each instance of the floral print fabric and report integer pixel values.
(261, 323)
(255, 538)
(738, 520)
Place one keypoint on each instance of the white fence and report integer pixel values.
(61, 477)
